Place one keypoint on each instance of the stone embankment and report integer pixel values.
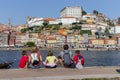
(59, 73)
(45, 48)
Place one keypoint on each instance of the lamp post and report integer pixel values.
(65, 39)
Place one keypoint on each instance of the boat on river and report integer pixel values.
(6, 65)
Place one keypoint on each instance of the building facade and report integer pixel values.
(71, 11)
(3, 39)
(68, 20)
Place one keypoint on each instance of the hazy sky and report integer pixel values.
(17, 10)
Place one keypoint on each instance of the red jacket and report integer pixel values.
(23, 61)
(75, 58)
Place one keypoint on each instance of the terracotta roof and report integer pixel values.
(49, 19)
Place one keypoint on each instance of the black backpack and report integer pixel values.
(67, 59)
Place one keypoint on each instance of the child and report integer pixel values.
(24, 60)
(78, 59)
(51, 61)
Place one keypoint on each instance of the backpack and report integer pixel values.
(79, 64)
(34, 59)
(67, 59)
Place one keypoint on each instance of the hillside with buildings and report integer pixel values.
(74, 27)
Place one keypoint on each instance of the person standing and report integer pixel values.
(24, 60)
(65, 57)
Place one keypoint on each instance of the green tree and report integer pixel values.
(56, 27)
(82, 21)
(84, 12)
(45, 23)
(106, 31)
(23, 30)
(86, 32)
(76, 27)
(74, 23)
(95, 12)
(30, 29)
(111, 24)
(30, 44)
(60, 23)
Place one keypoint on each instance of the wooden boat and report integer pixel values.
(5, 65)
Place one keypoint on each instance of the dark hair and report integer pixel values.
(36, 48)
(77, 51)
(50, 53)
(24, 52)
(65, 47)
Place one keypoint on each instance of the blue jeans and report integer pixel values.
(34, 67)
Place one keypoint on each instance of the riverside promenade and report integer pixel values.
(59, 73)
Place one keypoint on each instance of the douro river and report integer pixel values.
(92, 58)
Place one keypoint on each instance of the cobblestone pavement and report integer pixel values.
(59, 73)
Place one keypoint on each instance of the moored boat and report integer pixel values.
(5, 65)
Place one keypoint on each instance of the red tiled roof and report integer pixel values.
(49, 19)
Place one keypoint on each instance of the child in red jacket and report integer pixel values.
(78, 57)
(24, 60)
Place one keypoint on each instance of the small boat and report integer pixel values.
(5, 65)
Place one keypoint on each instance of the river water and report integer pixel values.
(92, 58)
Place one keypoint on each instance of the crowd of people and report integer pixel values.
(65, 58)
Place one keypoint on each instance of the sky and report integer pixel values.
(18, 10)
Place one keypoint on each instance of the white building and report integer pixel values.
(90, 18)
(92, 27)
(39, 21)
(71, 11)
(68, 20)
(115, 30)
(87, 16)
(51, 20)
(35, 22)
